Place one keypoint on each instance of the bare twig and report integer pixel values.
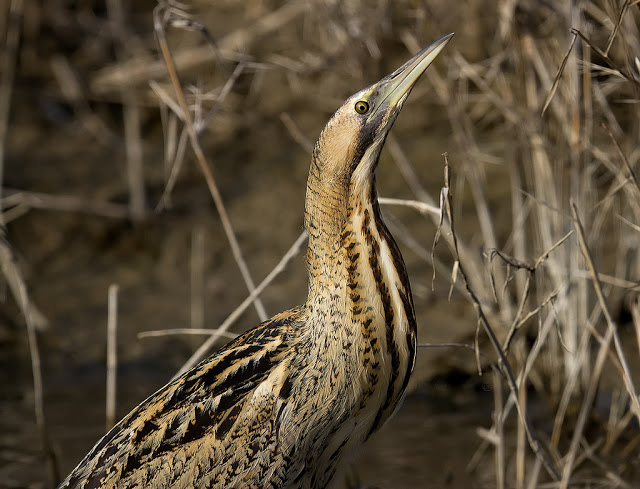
(112, 356)
(615, 30)
(503, 361)
(626, 377)
(197, 278)
(556, 80)
(204, 166)
(34, 320)
(131, 112)
(587, 401)
(134, 71)
(624, 73)
(303, 141)
(17, 285)
(201, 125)
(9, 54)
(65, 203)
(204, 348)
(185, 331)
(413, 182)
(623, 157)
(421, 207)
(499, 429)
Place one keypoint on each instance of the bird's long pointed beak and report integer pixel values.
(393, 87)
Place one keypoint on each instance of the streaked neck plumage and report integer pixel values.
(356, 273)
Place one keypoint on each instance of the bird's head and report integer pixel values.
(349, 146)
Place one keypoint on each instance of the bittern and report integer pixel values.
(284, 404)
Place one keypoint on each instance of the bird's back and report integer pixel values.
(215, 426)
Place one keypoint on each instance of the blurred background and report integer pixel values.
(535, 104)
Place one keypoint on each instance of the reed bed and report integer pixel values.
(535, 226)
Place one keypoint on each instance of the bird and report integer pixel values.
(288, 403)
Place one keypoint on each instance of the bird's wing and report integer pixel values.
(189, 429)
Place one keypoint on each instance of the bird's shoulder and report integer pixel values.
(204, 402)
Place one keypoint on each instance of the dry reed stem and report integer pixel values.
(133, 145)
(196, 275)
(535, 475)
(518, 264)
(37, 200)
(421, 207)
(112, 356)
(175, 165)
(168, 102)
(618, 426)
(403, 235)
(461, 126)
(206, 346)
(498, 426)
(615, 69)
(17, 285)
(303, 141)
(174, 154)
(556, 79)
(521, 441)
(204, 166)
(131, 114)
(136, 71)
(33, 321)
(505, 366)
(621, 16)
(570, 384)
(413, 182)
(623, 157)
(520, 210)
(635, 314)
(203, 123)
(611, 280)
(589, 396)
(626, 374)
(72, 92)
(185, 331)
(9, 54)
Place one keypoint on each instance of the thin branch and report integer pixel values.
(623, 157)
(19, 289)
(204, 348)
(421, 207)
(65, 203)
(556, 80)
(8, 61)
(138, 70)
(623, 72)
(112, 356)
(628, 382)
(615, 30)
(534, 443)
(303, 141)
(204, 166)
(196, 274)
(187, 331)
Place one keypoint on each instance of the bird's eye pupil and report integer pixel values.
(362, 107)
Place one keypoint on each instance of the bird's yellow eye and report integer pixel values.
(362, 107)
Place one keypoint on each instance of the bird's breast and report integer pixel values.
(361, 346)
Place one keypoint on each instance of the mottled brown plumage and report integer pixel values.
(282, 405)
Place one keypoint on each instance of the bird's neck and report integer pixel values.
(337, 203)
(359, 299)
(325, 216)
